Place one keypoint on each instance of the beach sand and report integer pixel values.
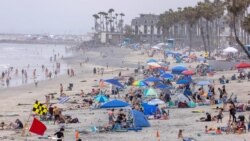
(119, 60)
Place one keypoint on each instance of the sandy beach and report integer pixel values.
(17, 102)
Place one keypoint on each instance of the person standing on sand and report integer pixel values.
(61, 89)
(94, 71)
(7, 82)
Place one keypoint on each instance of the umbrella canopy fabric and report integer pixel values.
(243, 65)
(183, 81)
(167, 76)
(156, 101)
(230, 50)
(114, 104)
(188, 72)
(178, 69)
(150, 92)
(114, 82)
(151, 61)
(152, 79)
(163, 86)
(202, 83)
(139, 83)
(101, 98)
(154, 64)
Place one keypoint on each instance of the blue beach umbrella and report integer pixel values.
(167, 76)
(178, 69)
(151, 61)
(163, 86)
(183, 81)
(115, 104)
(114, 82)
(101, 98)
(152, 79)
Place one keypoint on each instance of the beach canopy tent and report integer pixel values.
(188, 72)
(178, 69)
(156, 101)
(163, 86)
(149, 109)
(230, 50)
(150, 92)
(114, 82)
(202, 83)
(115, 104)
(167, 76)
(156, 47)
(161, 44)
(243, 65)
(101, 98)
(139, 83)
(152, 79)
(139, 119)
(151, 61)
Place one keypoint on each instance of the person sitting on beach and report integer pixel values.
(82, 93)
(218, 131)
(2, 125)
(17, 125)
(59, 134)
(180, 136)
(208, 118)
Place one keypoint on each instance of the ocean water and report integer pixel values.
(29, 57)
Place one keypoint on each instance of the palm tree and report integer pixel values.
(121, 22)
(219, 7)
(102, 16)
(96, 22)
(111, 10)
(191, 16)
(236, 8)
(207, 11)
(116, 21)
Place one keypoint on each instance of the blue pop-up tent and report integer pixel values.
(149, 109)
(139, 119)
(114, 104)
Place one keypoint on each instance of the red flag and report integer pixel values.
(38, 127)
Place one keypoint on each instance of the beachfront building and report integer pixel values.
(145, 27)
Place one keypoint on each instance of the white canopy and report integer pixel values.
(156, 47)
(230, 50)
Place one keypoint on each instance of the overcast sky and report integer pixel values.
(72, 16)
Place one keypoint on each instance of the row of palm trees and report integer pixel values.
(109, 21)
(206, 18)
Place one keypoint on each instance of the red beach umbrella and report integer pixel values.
(243, 65)
(188, 72)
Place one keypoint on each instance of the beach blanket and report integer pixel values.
(63, 100)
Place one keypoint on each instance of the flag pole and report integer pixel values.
(26, 124)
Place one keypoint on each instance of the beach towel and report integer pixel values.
(63, 100)
(198, 111)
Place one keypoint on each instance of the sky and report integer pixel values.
(73, 16)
